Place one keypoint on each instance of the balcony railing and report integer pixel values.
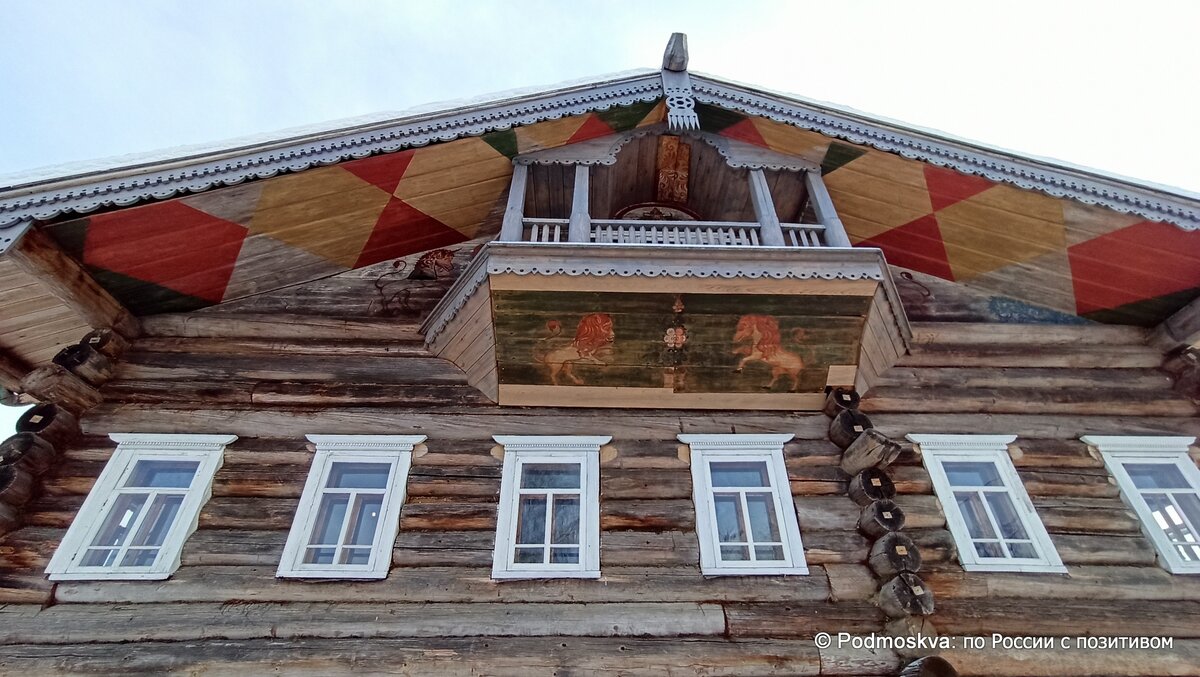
(765, 231)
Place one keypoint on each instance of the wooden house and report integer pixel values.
(651, 374)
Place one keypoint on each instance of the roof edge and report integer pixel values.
(199, 171)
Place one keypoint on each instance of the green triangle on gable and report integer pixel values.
(71, 236)
(1147, 312)
(505, 142)
(624, 118)
(838, 155)
(714, 118)
(145, 298)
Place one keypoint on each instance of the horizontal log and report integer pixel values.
(1081, 582)
(1060, 454)
(1049, 426)
(455, 584)
(629, 657)
(227, 392)
(1104, 549)
(66, 624)
(804, 620)
(324, 369)
(1026, 334)
(475, 549)
(1031, 400)
(277, 325)
(389, 347)
(1182, 659)
(1046, 378)
(1068, 617)
(997, 355)
(1083, 482)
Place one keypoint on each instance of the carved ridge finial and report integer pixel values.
(675, 58)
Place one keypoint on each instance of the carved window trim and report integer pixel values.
(767, 449)
(392, 450)
(522, 449)
(936, 450)
(1169, 451)
(207, 450)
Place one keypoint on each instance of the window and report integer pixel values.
(1160, 481)
(144, 505)
(549, 520)
(345, 526)
(745, 517)
(991, 517)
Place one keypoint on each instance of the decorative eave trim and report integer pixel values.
(637, 260)
(727, 442)
(967, 158)
(401, 443)
(574, 443)
(168, 441)
(1125, 444)
(126, 187)
(962, 443)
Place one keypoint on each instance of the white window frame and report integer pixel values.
(208, 450)
(1117, 449)
(393, 450)
(521, 449)
(973, 448)
(768, 449)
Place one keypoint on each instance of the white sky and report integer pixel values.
(1111, 85)
(8, 419)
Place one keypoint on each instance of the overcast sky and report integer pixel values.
(1111, 85)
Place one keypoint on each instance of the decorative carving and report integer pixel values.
(681, 106)
(674, 162)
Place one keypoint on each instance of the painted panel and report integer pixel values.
(688, 343)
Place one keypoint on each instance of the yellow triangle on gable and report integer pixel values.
(784, 138)
(456, 183)
(548, 134)
(999, 227)
(878, 192)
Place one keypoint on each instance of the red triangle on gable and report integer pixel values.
(383, 171)
(402, 230)
(745, 131)
(916, 245)
(1142, 261)
(947, 186)
(592, 128)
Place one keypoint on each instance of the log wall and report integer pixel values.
(652, 611)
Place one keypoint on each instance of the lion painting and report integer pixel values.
(593, 344)
(763, 343)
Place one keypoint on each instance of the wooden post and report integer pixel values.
(28, 451)
(846, 427)
(870, 485)
(50, 422)
(107, 342)
(86, 363)
(513, 227)
(52, 383)
(12, 370)
(892, 554)
(822, 204)
(879, 518)
(580, 229)
(872, 449)
(906, 595)
(769, 231)
(40, 257)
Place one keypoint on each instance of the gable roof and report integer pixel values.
(47, 194)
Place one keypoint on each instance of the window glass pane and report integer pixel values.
(162, 474)
(566, 520)
(330, 517)
(772, 553)
(989, 550)
(1023, 550)
(531, 520)
(1156, 475)
(358, 475)
(139, 557)
(974, 515)
(739, 474)
(319, 555)
(564, 555)
(1009, 523)
(530, 556)
(365, 519)
(735, 553)
(96, 557)
(158, 521)
(1190, 504)
(972, 474)
(729, 518)
(356, 556)
(762, 518)
(120, 519)
(550, 475)
(1189, 553)
(1169, 519)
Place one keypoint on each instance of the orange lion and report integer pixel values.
(766, 345)
(593, 344)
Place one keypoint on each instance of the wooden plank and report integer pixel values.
(1182, 659)
(594, 283)
(977, 333)
(1053, 426)
(1002, 355)
(1123, 380)
(284, 347)
(172, 622)
(40, 257)
(323, 368)
(784, 621)
(12, 370)
(278, 325)
(1005, 400)
(454, 657)
(652, 398)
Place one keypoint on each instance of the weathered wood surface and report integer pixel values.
(633, 657)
